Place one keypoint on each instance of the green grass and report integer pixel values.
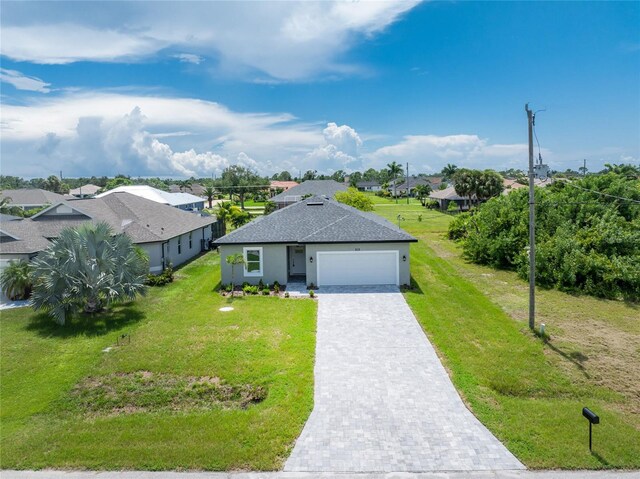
(175, 332)
(529, 393)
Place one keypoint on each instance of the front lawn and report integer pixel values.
(57, 395)
(529, 393)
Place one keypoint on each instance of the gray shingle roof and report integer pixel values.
(144, 221)
(31, 197)
(326, 188)
(317, 220)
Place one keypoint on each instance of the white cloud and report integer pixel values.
(282, 40)
(189, 58)
(109, 133)
(23, 82)
(340, 151)
(429, 153)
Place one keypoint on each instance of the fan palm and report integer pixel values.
(86, 269)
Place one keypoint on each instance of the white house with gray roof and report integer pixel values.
(166, 234)
(321, 242)
(323, 188)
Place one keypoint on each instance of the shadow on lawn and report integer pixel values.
(574, 357)
(86, 324)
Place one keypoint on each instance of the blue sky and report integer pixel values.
(182, 89)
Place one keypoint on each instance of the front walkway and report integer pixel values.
(383, 401)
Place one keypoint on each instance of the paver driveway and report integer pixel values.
(383, 401)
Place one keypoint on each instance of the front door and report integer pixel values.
(297, 261)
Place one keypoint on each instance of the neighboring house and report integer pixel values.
(323, 188)
(31, 198)
(369, 186)
(276, 187)
(446, 196)
(183, 201)
(195, 189)
(166, 234)
(405, 186)
(321, 242)
(85, 191)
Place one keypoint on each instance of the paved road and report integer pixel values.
(307, 475)
(383, 401)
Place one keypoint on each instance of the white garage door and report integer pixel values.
(357, 267)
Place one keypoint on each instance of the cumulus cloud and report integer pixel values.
(430, 153)
(109, 133)
(23, 82)
(340, 151)
(282, 40)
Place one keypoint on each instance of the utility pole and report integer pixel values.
(408, 188)
(532, 226)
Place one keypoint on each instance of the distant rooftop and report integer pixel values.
(154, 194)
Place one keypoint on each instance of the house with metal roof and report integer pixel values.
(183, 201)
(321, 242)
(323, 188)
(166, 234)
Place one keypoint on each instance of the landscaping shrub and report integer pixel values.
(265, 292)
(585, 242)
(161, 279)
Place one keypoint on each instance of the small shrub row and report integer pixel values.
(165, 277)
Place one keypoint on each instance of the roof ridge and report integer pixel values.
(324, 227)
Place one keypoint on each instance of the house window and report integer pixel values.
(190, 240)
(252, 261)
(179, 244)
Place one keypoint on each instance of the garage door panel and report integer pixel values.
(357, 267)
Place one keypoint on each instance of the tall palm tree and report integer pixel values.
(86, 269)
(394, 170)
(448, 171)
(210, 193)
(15, 280)
(463, 183)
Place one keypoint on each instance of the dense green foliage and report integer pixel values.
(585, 241)
(355, 198)
(15, 280)
(86, 269)
(161, 279)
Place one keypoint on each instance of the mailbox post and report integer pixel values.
(593, 418)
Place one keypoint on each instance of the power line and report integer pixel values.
(601, 193)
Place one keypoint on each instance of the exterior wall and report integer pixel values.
(199, 206)
(274, 264)
(402, 248)
(170, 247)
(154, 251)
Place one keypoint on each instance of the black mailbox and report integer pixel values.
(590, 415)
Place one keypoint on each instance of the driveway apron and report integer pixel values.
(383, 401)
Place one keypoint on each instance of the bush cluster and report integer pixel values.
(585, 242)
(161, 279)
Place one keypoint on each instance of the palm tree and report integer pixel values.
(210, 193)
(394, 169)
(422, 191)
(233, 260)
(224, 212)
(86, 269)
(15, 280)
(448, 171)
(490, 184)
(463, 183)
